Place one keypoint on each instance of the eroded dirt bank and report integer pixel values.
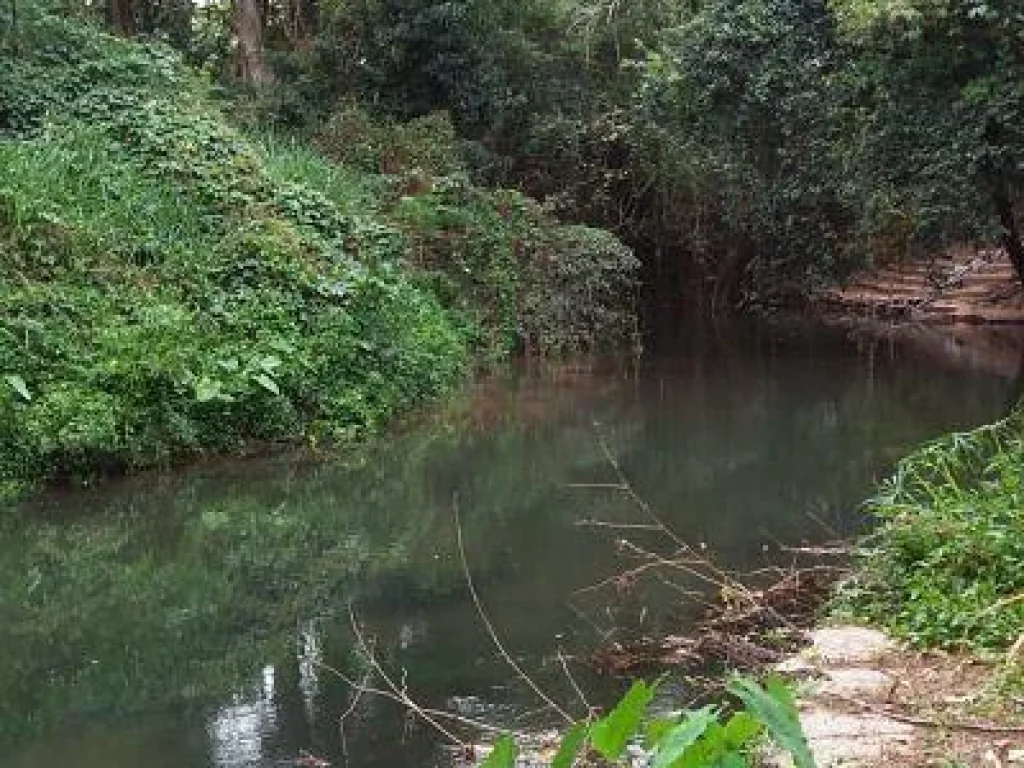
(962, 286)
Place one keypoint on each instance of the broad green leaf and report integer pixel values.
(773, 705)
(270, 363)
(18, 385)
(655, 729)
(267, 383)
(707, 751)
(611, 734)
(503, 755)
(570, 746)
(674, 744)
(741, 729)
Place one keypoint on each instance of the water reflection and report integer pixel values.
(310, 658)
(237, 731)
(213, 602)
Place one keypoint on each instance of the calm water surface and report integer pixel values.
(191, 620)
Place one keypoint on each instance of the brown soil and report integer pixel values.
(962, 286)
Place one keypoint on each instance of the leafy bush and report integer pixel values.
(164, 294)
(500, 258)
(693, 739)
(427, 145)
(170, 285)
(946, 565)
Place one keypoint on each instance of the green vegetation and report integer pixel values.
(749, 149)
(233, 224)
(945, 566)
(379, 213)
(694, 739)
(170, 286)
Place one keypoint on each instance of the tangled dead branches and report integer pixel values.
(759, 629)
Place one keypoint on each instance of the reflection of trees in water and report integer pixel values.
(182, 590)
(179, 591)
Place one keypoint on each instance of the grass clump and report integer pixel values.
(945, 567)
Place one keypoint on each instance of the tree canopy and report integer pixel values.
(748, 148)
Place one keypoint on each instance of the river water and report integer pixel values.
(194, 619)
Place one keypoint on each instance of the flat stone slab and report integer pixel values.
(838, 739)
(797, 665)
(855, 682)
(834, 646)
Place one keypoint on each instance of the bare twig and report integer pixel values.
(824, 550)
(628, 489)
(602, 633)
(357, 695)
(617, 526)
(687, 559)
(490, 627)
(400, 692)
(572, 681)
(403, 700)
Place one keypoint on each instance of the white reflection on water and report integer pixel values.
(310, 657)
(236, 731)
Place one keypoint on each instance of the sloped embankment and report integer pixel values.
(171, 286)
(959, 287)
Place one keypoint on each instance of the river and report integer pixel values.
(193, 619)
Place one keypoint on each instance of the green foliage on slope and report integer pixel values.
(170, 286)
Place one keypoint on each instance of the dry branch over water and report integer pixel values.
(749, 620)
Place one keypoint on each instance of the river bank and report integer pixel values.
(960, 286)
(867, 701)
(937, 680)
(942, 574)
(177, 283)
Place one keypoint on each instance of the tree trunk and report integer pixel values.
(1011, 233)
(121, 17)
(250, 60)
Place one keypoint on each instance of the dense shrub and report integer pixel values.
(164, 294)
(946, 565)
(170, 285)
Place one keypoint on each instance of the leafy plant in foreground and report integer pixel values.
(701, 738)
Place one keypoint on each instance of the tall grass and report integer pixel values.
(75, 176)
(289, 159)
(945, 567)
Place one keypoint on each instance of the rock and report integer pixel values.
(841, 739)
(796, 665)
(855, 682)
(838, 739)
(833, 646)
